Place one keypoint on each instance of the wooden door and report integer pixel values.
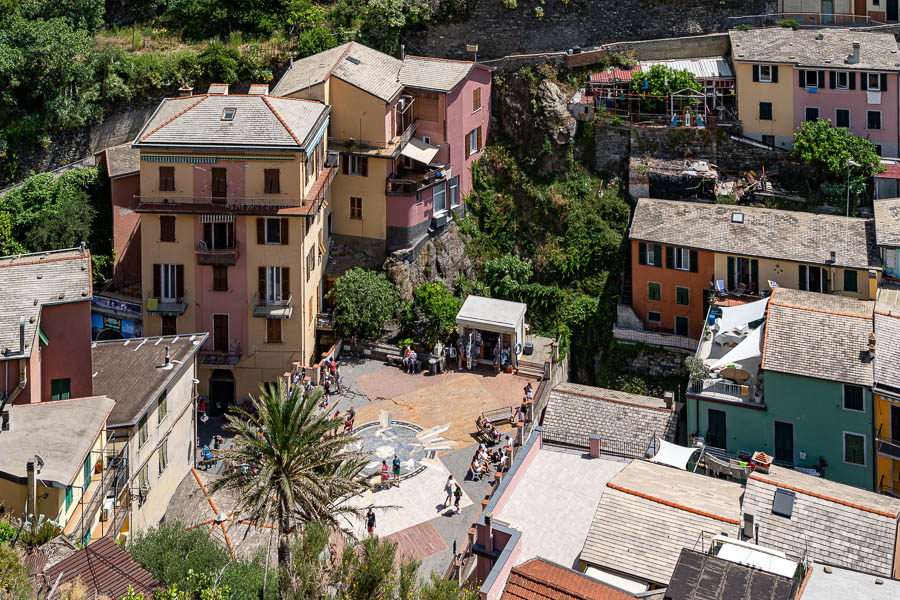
(220, 333)
(716, 434)
(219, 184)
(784, 442)
(860, 8)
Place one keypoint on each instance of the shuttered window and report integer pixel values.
(272, 181)
(273, 331)
(167, 179)
(476, 99)
(167, 228)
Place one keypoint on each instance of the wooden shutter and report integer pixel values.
(345, 164)
(754, 274)
(694, 261)
(285, 226)
(480, 142)
(863, 81)
(802, 277)
(230, 229)
(167, 179)
(260, 230)
(730, 273)
(220, 333)
(261, 284)
(364, 166)
(179, 281)
(801, 78)
(756, 72)
(272, 181)
(774, 73)
(285, 283)
(832, 79)
(642, 253)
(821, 79)
(851, 80)
(157, 280)
(657, 255)
(884, 82)
(476, 99)
(670, 257)
(207, 234)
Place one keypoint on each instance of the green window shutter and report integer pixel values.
(68, 497)
(657, 255)
(802, 277)
(43, 336)
(774, 73)
(754, 274)
(694, 262)
(731, 273)
(670, 257)
(642, 253)
(682, 296)
(653, 291)
(850, 281)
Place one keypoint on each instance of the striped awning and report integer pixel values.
(216, 218)
(181, 158)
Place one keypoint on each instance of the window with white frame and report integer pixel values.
(168, 281)
(682, 259)
(854, 448)
(765, 73)
(842, 80)
(873, 81)
(273, 231)
(454, 192)
(873, 119)
(440, 197)
(273, 284)
(473, 141)
(355, 167)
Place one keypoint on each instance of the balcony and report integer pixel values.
(269, 308)
(407, 181)
(103, 492)
(210, 356)
(166, 307)
(887, 445)
(218, 257)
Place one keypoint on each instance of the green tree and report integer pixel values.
(221, 63)
(436, 308)
(363, 301)
(381, 25)
(315, 40)
(661, 81)
(506, 273)
(81, 14)
(305, 467)
(13, 575)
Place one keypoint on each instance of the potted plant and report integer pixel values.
(98, 468)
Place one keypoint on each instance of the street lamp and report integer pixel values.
(850, 163)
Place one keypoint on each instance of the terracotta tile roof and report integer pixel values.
(878, 51)
(104, 568)
(611, 74)
(539, 579)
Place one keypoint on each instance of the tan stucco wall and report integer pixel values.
(320, 92)
(787, 274)
(356, 114)
(750, 94)
(371, 189)
(179, 252)
(184, 181)
(288, 179)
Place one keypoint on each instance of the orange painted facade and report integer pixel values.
(669, 279)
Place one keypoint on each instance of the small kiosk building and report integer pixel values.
(491, 331)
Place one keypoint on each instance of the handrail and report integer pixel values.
(283, 303)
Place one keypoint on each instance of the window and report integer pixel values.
(454, 192)
(765, 111)
(812, 113)
(273, 331)
(769, 140)
(167, 179)
(329, 224)
(219, 183)
(168, 325)
(426, 139)
(853, 398)
(162, 407)
(220, 333)
(274, 283)
(850, 284)
(873, 119)
(168, 281)
(163, 454)
(60, 389)
(474, 141)
(356, 207)
(841, 80)
(142, 431)
(743, 274)
(842, 118)
(682, 296)
(765, 73)
(654, 291)
(143, 477)
(681, 326)
(68, 497)
(273, 231)
(811, 79)
(310, 261)
(812, 279)
(476, 99)
(356, 165)
(272, 180)
(872, 81)
(220, 279)
(854, 449)
(654, 317)
(650, 255)
(440, 197)
(228, 114)
(167, 229)
(682, 259)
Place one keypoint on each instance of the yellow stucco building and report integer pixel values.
(887, 395)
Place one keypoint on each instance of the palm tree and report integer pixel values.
(305, 468)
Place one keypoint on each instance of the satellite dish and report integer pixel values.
(39, 461)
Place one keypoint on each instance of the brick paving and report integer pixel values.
(419, 541)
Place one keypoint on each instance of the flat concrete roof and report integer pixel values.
(844, 583)
(491, 313)
(61, 432)
(554, 502)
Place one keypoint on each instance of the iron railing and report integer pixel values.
(114, 478)
(218, 256)
(804, 19)
(210, 357)
(158, 305)
(405, 186)
(654, 338)
(272, 308)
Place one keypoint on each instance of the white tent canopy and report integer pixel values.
(673, 455)
(419, 151)
(748, 348)
(735, 317)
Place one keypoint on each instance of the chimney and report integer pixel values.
(32, 488)
(833, 257)
(185, 90)
(871, 347)
(218, 89)
(21, 335)
(168, 360)
(259, 89)
(402, 51)
(669, 399)
(854, 56)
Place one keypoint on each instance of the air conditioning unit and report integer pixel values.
(439, 221)
(107, 509)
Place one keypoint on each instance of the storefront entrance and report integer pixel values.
(221, 392)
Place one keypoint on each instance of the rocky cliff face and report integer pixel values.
(438, 259)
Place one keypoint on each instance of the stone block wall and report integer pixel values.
(674, 142)
(697, 46)
(613, 148)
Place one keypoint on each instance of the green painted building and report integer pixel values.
(809, 404)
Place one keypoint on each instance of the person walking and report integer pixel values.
(448, 487)
(457, 496)
(385, 474)
(370, 522)
(396, 465)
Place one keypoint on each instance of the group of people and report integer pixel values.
(386, 480)
(485, 425)
(410, 360)
(485, 457)
(349, 418)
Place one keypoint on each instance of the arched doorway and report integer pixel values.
(221, 392)
(110, 334)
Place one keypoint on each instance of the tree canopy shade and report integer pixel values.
(662, 80)
(363, 301)
(303, 467)
(436, 308)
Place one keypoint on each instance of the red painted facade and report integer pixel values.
(126, 228)
(68, 355)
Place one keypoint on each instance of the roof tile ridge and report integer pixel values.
(887, 314)
(550, 584)
(625, 402)
(820, 310)
(310, 100)
(340, 58)
(161, 125)
(283, 123)
(456, 60)
(695, 511)
(43, 261)
(794, 488)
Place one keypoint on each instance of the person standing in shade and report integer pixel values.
(370, 522)
(396, 464)
(448, 487)
(457, 496)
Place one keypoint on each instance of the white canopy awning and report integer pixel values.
(673, 455)
(419, 151)
(748, 348)
(734, 317)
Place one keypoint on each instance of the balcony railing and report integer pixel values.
(730, 391)
(218, 257)
(230, 203)
(804, 19)
(211, 357)
(412, 183)
(887, 445)
(273, 308)
(157, 305)
(113, 479)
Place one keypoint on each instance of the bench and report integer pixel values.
(499, 415)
